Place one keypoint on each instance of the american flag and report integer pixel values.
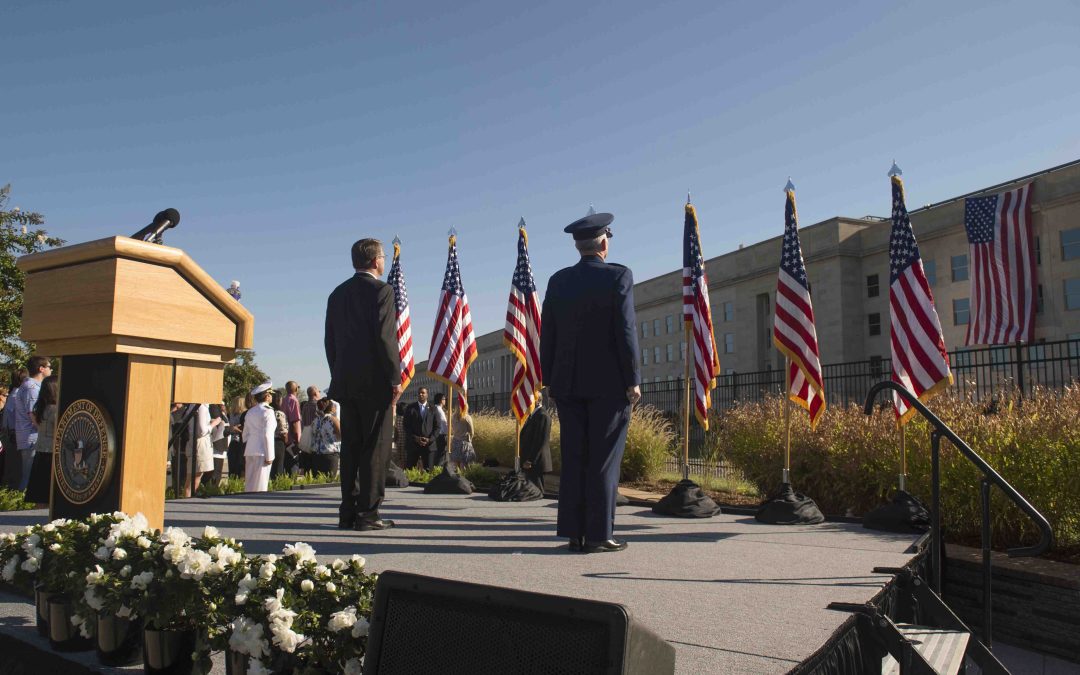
(919, 360)
(522, 333)
(453, 344)
(698, 318)
(794, 332)
(1003, 274)
(396, 278)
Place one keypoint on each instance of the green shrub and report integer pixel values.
(850, 464)
(230, 486)
(13, 500)
(481, 476)
(649, 441)
(494, 438)
(417, 475)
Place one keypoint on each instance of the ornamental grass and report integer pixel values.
(849, 465)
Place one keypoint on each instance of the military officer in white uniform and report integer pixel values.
(260, 425)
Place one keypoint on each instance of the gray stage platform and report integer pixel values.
(732, 595)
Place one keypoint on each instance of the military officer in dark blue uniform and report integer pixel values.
(588, 354)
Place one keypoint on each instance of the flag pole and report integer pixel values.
(517, 444)
(449, 425)
(686, 407)
(903, 460)
(787, 423)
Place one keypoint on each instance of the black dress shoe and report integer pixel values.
(380, 524)
(346, 523)
(609, 546)
(577, 544)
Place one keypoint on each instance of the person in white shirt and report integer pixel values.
(204, 448)
(260, 425)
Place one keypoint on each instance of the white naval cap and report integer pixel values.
(264, 387)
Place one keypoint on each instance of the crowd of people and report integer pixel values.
(27, 430)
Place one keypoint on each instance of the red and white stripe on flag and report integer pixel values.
(794, 330)
(396, 278)
(453, 343)
(1003, 272)
(522, 333)
(919, 360)
(697, 315)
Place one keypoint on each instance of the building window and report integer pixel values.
(960, 311)
(729, 343)
(1070, 244)
(644, 329)
(875, 366)
(656, 327)
(729, 371)
(682, 351)
(874, 323)
(656, 354)
(1038, 299)
(959, 267)
(669, 321)
(1072, 294)
(872, 286)
(930, 269)
(645, 356)
(670, 352)
(729, 311)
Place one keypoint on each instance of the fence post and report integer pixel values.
(1020, 367)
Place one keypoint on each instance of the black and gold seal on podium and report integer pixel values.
(84, 451)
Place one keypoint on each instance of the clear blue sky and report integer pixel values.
(283, 131)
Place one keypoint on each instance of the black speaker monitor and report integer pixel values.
(421, 624)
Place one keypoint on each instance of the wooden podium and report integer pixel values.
(138, 326)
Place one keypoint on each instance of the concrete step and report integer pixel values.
(943, 649)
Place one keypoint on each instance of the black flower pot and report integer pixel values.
(41, 600)
(63, 635)
(168, 652)
(119, 641)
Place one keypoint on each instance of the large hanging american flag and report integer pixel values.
(919, 360)
(697, 316)
(522, 333)
(1003, 272)
(396, 278)
(794, 331)
(453, 344)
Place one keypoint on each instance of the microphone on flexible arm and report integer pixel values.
(162, 221)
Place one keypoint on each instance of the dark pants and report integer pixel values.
(365, 453)
(236, 459)
(437, 452)
(414, 453)
(536, 477)
(593, 436)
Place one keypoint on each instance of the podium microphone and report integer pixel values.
(162, 221)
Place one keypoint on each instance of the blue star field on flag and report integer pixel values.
(903, 250)
(791, 260)
(979, 218)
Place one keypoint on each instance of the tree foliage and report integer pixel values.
(242, 375)
(20, 234)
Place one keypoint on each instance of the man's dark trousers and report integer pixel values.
(593, 435)
(365, 455)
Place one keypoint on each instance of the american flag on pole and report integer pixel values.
(396, 278)
(453, 344)
(794, 332)
(522, 333)
(698, 317)
(1003, 273)
(919, 360)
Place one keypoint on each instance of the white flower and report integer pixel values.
(285, 637)
(244, 588)
(307, 585)
(360, 629)
(48, 527)
(174, 553)
(125, 571)
(102, 553)
(354, 667)
(247, 638)
(32, 541)
(194, 564)
(10, 568)
(143, 542)
(141, 580)
(31, 565)
(94, 576)
(322, 571)
(255, 667)
(211, 532)
(119, 554)
(93, 600)
(54, 547)
(124, 612)
(331, 587)
(338, 564)
(358, 561)
(343, 620)
(175, 536)
(109, 542)
(225, 555)
(266, 571)
(301, 551)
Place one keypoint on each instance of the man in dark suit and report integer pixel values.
(365, 378)
(418, 426)
(588, 354)
(536, 444)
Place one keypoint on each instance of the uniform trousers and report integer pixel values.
(592, 440)
(256, 474)
(366, 432)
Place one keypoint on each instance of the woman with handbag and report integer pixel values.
(326, 439)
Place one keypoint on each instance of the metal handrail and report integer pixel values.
(1046, 539)
(1046, 535)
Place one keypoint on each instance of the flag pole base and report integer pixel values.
(449, 482)
(789, 508)
(901, 483)
(904, 514)
(686, 500)
(786, 477)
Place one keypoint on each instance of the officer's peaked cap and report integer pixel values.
(590, 226)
